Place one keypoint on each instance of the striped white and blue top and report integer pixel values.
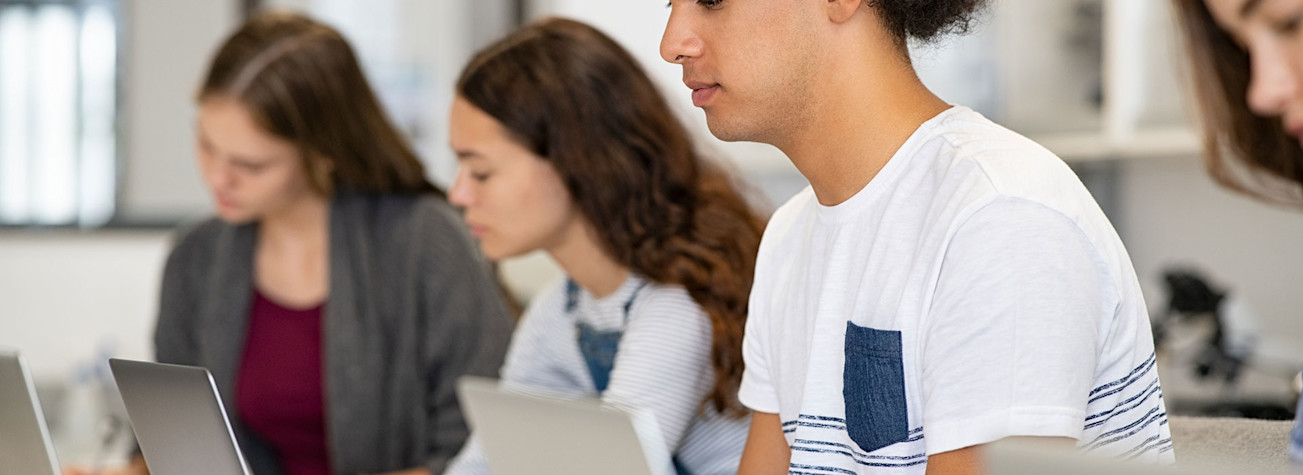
(663, 365)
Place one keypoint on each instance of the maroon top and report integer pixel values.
(279, 391)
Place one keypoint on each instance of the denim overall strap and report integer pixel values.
(599, 347)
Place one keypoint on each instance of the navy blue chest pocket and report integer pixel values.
(873, 388)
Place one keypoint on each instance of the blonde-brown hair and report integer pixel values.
(1242, 150)
(301, 81)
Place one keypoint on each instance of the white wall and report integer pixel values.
(167, 48)
(1172, 213)
(65, 296)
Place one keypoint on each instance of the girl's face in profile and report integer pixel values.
(250, 172)
(515, 201)
(1271, 31)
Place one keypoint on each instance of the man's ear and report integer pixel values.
(841, 11)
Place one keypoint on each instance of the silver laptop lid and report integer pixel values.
(538, 435)
(25, 447)
(178, 418)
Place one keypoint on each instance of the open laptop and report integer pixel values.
(178, 418)
(545, 434)
(25, 446)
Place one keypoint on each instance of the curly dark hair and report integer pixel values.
(927, 20)
(577, 99)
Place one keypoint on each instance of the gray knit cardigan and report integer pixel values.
(411, 308)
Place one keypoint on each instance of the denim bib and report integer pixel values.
(599, 347)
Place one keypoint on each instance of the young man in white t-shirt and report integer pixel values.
(944, 283)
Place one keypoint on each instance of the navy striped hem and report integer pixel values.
(1149, 445)
(801, 420)
(1126, 427)
(1142, 423)
(858, 461)
(1131, 453)
(792, 428)
(830, 423)
(1143, 398)
(1153, 357)
(821, 418)
(792, 467)
(1123, 403)
(1129, 382)
(829, 419)
(858, 453)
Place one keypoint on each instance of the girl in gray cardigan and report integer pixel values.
(336, 297)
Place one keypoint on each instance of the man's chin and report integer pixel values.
(726, 130)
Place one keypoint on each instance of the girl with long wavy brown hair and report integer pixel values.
(566, 146)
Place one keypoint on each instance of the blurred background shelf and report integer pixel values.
(1175, 141)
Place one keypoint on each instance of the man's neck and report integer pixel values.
(863, 115)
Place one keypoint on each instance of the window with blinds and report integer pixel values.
(58, 108)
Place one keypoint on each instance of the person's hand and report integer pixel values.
(135, 466)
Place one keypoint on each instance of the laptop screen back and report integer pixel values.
(25, 446)
(535, 435)
(178, 418)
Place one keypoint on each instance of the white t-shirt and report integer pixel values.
(970, 292)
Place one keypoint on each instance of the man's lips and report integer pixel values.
(702, 92)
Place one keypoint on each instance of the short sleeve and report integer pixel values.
(1009, 345)
(757, 391)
